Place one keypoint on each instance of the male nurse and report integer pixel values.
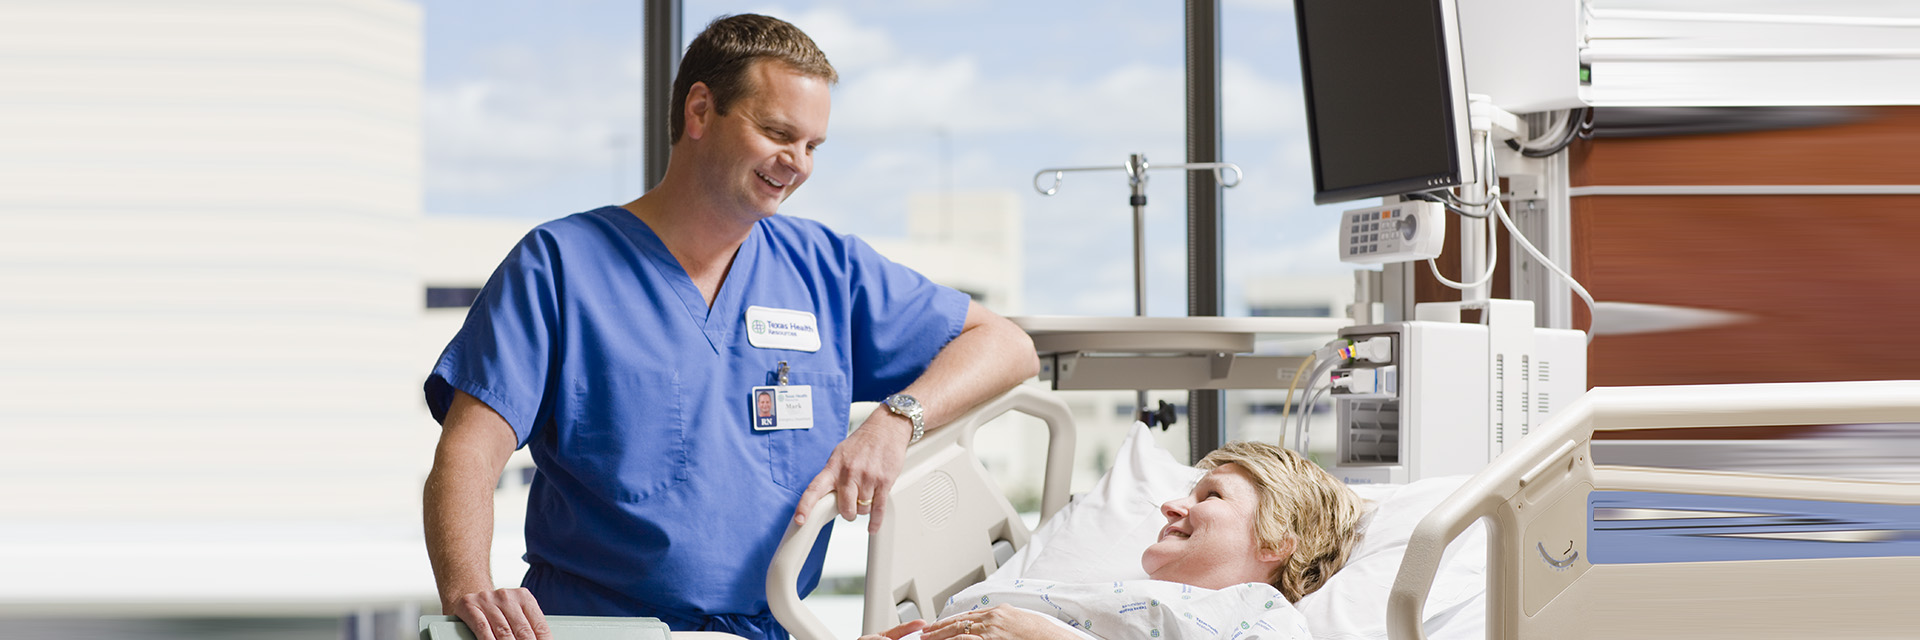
(628, 348)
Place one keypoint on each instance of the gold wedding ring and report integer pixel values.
(968, 628)
(864, 503)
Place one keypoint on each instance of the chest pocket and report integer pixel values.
(795, 456)
(626, 437)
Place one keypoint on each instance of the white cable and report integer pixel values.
(1514, 231)
(1557, 131)
(1486, 143)
(1493, 260)
(1305, 431)
(1291, 430)
(1553, 132)
(1320, 371)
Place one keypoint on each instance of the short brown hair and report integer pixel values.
(1301, 502)
(723, 53)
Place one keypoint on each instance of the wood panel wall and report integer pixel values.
(1830, 283)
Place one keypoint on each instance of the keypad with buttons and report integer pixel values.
(1385, 234)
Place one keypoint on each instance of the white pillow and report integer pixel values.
(1099, 536)
(1353, 604)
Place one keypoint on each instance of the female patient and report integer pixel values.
(1262, 528)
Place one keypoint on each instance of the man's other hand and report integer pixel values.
(502, 614)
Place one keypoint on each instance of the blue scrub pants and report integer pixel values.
(562, 594)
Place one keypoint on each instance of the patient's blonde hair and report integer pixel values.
(1301, 506)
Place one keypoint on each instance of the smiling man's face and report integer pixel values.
(763, 146)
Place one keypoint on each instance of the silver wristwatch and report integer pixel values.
(906, 406)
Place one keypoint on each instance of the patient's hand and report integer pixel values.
(999, 622)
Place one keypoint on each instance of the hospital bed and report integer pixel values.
(1583, 551)
(1574, 550)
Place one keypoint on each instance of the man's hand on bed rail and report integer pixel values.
(862, 469)
(990, 356)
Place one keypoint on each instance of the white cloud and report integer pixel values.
(907, 92)
(532, 118)
(1253, 102)
(851, 46)
(921, 95)
(1130, 100)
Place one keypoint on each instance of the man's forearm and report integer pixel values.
(988, 358)
(459, 524)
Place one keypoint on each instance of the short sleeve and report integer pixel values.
(901, 320)
(503, 354)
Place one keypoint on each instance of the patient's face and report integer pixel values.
(1209, 539)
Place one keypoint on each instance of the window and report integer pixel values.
(451, 297)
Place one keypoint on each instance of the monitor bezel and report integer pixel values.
(1462, 170)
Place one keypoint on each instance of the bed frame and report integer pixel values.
(958, 521)
(1579, 551)
(1635, 552)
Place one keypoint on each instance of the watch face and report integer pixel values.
(903, 402)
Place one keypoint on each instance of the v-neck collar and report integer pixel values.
(719, 321)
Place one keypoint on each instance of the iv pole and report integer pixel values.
(1136, 169)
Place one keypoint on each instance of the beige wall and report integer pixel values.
(208, 296)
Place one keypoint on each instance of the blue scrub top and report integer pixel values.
(654, 492)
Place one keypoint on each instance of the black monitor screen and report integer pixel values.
(1381, 106)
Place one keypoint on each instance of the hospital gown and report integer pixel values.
(1146, 609)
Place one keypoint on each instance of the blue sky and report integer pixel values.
(533, 111)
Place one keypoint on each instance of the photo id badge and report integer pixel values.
(788, 406)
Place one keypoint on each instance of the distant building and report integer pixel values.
(207, 224)
(209, 212)
(1257, 414)
(1324, 296)
(970, 241)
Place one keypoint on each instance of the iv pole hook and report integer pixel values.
(1136, 169)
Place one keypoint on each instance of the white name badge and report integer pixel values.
(788, 406)
(769, 328)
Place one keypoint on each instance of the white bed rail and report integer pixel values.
(1533, 484)
(935, 497)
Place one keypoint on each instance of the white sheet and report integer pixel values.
(1145, 609)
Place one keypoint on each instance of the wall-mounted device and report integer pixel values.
(1453, 395)
(1529, 55)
